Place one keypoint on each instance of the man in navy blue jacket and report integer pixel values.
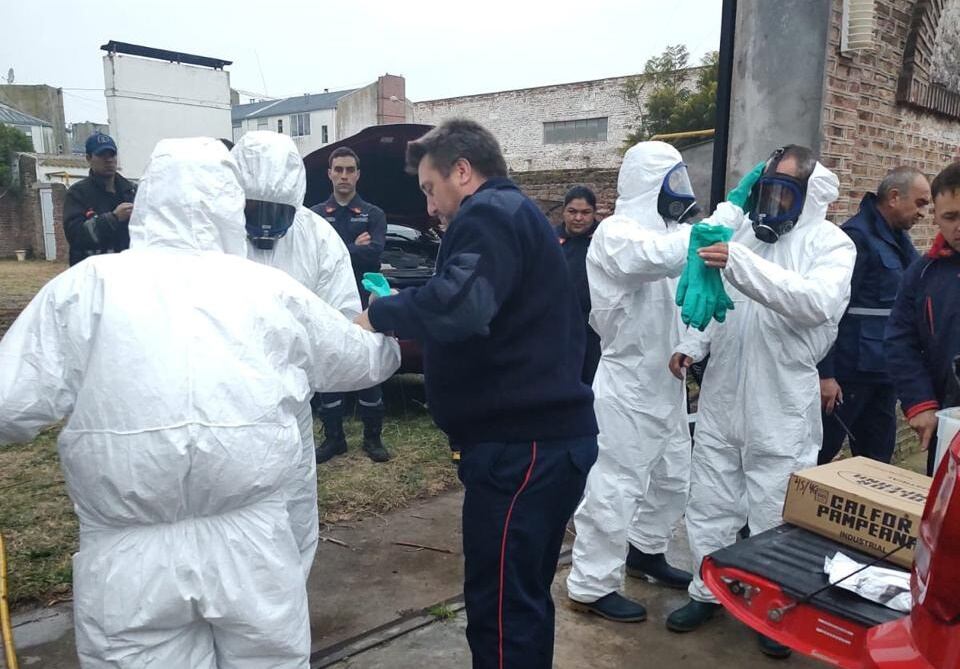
(855, 388)
(503, 343)
(923, 334)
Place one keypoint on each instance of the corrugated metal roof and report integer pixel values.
(12, 116)
(295, 105)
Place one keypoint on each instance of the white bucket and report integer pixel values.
(949, 425)
(21, 255)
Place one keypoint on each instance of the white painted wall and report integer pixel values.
(149, 100)
(306, 144)
(516, 119)
(40, 140)
(357, 110)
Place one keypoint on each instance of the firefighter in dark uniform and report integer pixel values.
(96, 211)
(575, 233)
(363, 228)
(858, 397)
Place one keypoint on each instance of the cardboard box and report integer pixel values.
(861, 503)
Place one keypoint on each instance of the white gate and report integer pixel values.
(46, 209)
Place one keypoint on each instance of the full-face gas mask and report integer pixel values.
(676, 200)
(777, 200)
(267, 222)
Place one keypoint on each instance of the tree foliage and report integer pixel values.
(11, 141)
(667, 101)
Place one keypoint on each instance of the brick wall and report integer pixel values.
(865, 131)
(547, 188)
(13, 233)
(21, 218)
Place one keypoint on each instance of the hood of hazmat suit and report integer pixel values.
(180, 366)
(759, 412)
(312, 252)
(638, 487)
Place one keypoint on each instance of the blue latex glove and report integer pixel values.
(741, 193)
(376, 283)
(700, 293)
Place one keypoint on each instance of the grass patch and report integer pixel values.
(442, 612)
(37, 521)
(19, 282)
(352, 485)
(40, 527)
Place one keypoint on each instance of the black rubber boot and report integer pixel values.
(613, 607)
(771, 648)
(654, 567)
(372, 444)
(334, 441)
(691, 616)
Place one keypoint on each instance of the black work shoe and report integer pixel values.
(691, 616)
(375, 449)
(654, 567)
(771, 648)
(330, 447)
(613, 607)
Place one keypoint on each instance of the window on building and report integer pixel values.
(580, 130)
(280, 125)
(299, 125)
(323, 134)
(237, 132)
(261, 124)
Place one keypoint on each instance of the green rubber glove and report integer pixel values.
(741, 193)
(376, 283)
(700, 293)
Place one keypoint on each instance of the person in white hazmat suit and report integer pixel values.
(788, 273)
(282, 233)
(181, 367)
(637, 490)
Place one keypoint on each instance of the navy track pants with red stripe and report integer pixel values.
(519, 498)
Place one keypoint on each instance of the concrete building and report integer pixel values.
(43, 102)
(317, 119)
(39, 131)
(310, 119)
(154, 94)
(55, 168)
(77, 134)
(580, 125)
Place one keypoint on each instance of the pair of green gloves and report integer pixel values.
(700, 293)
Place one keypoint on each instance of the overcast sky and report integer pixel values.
(443, 48)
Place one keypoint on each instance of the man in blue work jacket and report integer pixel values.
(858, 397)
(363, 228)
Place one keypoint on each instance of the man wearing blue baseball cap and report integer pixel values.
(97, 209)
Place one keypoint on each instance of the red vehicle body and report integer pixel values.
(927, 638)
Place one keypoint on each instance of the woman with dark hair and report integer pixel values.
(575, 233)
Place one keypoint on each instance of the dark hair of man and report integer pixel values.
(948, 181)
(343, 152)
(455, 139)
(899, 179)
(804, 157)
(580, 193)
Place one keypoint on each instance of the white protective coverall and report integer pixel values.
(759, 412)
(637, 489)
(180, 367)
(312, 252)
